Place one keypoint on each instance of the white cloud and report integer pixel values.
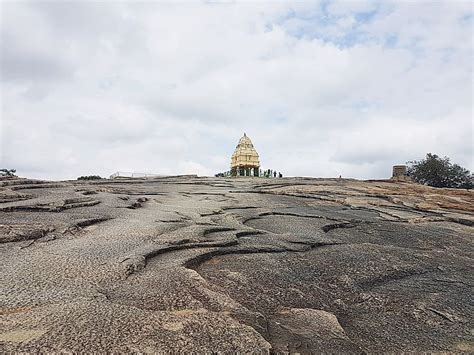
(347, 88)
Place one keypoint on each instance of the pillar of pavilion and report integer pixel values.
(245, 160)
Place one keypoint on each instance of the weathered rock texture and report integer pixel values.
(242, 265)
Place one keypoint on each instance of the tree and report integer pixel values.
(89, 177)
(7, 172)
(439, 172)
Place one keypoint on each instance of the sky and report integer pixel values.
(323, 88)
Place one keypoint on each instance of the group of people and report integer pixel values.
(269, 173)
(266, 173)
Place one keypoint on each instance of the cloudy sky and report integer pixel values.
(322, 88)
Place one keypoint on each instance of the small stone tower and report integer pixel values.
(245, 160)
(399, 172)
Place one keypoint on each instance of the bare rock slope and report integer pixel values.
(226, 265)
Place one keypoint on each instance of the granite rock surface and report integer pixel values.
(288, 265)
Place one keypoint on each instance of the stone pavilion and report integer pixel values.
(245, 160)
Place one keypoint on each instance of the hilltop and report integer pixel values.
(245, 264)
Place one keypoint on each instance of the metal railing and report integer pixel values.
(126, 174)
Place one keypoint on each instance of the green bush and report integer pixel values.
(89, 177)
(7, 172)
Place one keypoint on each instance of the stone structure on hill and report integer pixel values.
(245, 160)
(399, 172)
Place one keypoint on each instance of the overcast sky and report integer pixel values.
(322, 88)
